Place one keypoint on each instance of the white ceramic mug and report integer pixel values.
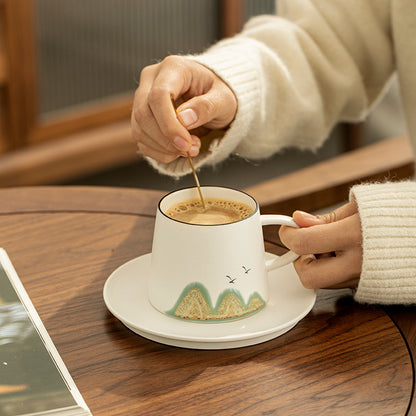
(211, 273)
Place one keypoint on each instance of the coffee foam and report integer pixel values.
(216, 211)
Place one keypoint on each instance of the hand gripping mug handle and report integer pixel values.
(288, 257)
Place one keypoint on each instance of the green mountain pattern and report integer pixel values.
(195, 304)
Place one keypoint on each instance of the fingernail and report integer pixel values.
(181, 143)
(193, 151)
(306, 214)
(188, 117)
(310, 217)
(309, 258)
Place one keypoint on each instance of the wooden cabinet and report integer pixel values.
(34, 151)
(71, 143)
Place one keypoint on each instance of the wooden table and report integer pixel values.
(342, 359)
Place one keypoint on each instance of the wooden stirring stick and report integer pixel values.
(196, 181)
(192, 167)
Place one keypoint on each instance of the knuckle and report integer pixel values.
(293, 239)
(300, 243)
(140, 118)
(283, 235)
(147, 70)
(166, 136)
(175, 62)
(296, 246)
(172, 60)
(156, 92)
(307, 279)
(138, 113)
(208, 105)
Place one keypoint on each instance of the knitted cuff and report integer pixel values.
(388, 222)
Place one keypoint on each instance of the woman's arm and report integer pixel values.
(296, 75)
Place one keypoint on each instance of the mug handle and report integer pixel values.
(288, 257)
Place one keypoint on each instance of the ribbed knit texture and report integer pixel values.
(388, 221)
(296, 76)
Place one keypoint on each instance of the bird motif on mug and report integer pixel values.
(233, 279)
(230, 279)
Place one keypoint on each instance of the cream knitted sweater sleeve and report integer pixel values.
(298, 74)
(388, 222)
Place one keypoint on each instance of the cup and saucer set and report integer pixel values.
(209, 286)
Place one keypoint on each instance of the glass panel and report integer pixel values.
(255, 7)
(92, 49)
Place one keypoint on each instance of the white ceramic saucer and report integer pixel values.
(125, 294)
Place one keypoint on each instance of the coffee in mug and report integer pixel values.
(216, 211)
(212, 272)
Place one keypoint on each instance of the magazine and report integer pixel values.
(33, 377)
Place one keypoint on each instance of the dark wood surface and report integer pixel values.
(342, 359)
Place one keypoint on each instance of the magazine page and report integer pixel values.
(33, 377)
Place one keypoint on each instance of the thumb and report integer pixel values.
(215, 109)
(304, 219)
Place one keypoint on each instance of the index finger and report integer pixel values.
(324, 238)
(166, 88)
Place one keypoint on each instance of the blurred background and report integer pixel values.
(68, 71)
